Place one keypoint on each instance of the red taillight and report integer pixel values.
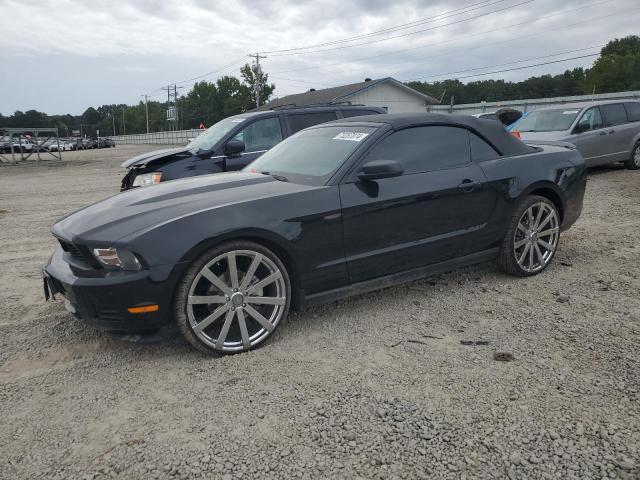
(516, 134)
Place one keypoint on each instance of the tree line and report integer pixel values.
(616, 69)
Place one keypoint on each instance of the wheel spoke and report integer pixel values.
(524, 253)
(548, 232)
(546, 245)
(536, 222)
(251, 272)
(546, 220)
(216, 281)
(246, 343)
(217, 313)
(233, 269)
(522, 228)
(530, 216)
(520, 243)
(539, 254)
(259, 318)
(206, 299)
(225, 329)
(530, 257)
(265, 281)
(266, 300)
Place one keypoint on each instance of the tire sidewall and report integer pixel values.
(184, 285)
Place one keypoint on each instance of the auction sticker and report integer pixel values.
(351, 136)
(237, 120)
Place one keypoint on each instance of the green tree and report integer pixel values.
(252, 77)
(617, 68)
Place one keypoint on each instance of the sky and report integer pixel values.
(62, 56)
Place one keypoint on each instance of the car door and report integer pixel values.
(427, 215)
(591, 138)
(258, 137)
(618, 131)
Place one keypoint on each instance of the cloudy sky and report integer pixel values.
(61, 56)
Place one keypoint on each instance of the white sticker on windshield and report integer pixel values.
(570, 112)
(237, 120)
(352, 136)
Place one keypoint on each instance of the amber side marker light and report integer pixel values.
(516, 134)
(144, 309)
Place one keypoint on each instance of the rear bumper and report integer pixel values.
(103, 301)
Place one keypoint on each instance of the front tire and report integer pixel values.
(232, 298)
(634, 161)
(532, 237)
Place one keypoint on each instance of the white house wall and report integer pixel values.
(394, 98)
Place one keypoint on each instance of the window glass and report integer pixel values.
(548, 120)
(481, 150)
(633, 111)
(312, 156)
(590, 120)
(421, 149)
(614, 114)
(301, 121)
(357, 112)
(260, 135)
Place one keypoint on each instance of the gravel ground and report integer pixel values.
(377, 386)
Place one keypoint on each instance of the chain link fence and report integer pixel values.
(176, 137)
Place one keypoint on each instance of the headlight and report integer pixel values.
(117, 258)
(146, 179)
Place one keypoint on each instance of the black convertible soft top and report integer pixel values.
(492, 130)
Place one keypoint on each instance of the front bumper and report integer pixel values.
(101, 298)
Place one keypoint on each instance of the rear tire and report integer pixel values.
(532, 237)
(634, 161)
(232, 298)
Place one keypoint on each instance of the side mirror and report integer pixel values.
(581, 127)
(234, 147)
(378, 169)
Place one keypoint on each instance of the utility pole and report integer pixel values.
(172, 104)
(113, 120)
(146, 110)
(257, 76)
(124, 126)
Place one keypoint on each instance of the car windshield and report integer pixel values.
(311, 156)
(212, 135)
(548, 120)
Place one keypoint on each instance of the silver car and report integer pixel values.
(604, 132)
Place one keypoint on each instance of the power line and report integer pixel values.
(528, 66)
(440, 16)
(507, 63)
(528, 22)
(409, 33)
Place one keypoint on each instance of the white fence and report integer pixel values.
(531, 104)
(176, 137)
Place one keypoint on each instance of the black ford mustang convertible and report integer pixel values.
(338, 209)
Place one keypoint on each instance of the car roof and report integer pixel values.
(581, 105)
(311, 108)
(492, 131)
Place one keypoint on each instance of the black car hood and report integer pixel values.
(144, 158)
(142, 209)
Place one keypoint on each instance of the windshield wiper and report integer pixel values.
(281, 178)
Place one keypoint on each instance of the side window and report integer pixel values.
(481, 150)
(614, 114)
(421, 149)
(590, 120)
(260, 135)
(356, 112)
(633, 111)
(301, 121)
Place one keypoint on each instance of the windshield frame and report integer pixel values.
(335, 176)
(579, 110)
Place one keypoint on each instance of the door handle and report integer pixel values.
(468, 185)
(612, 131)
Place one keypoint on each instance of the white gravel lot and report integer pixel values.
(377, 386)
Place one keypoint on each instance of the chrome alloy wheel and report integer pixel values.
(636, 157)
(236, 300)
(536, 238)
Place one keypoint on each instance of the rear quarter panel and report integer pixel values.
(552, 168)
